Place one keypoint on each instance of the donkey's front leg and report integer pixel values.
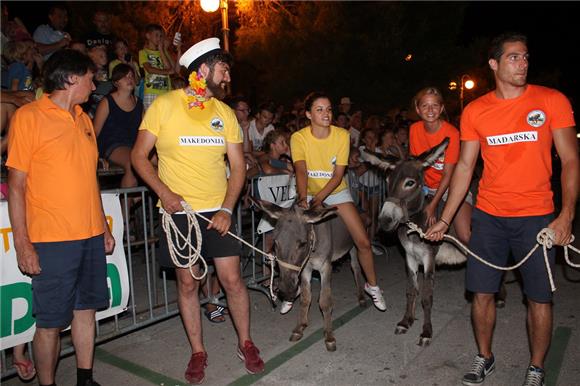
(305, 299)
(427, 303)
(412, 292)
(325, 303)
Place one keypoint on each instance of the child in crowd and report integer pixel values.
(402, 138)
(23, 55)
(122, 55)
(276, 147)
(370, 184)
(389, 144)
(157, 64)
(98, 55)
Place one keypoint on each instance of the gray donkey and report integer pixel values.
(304, 241)
(405, 202)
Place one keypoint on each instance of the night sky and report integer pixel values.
(552, 29)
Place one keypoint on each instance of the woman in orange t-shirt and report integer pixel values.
(424, 135)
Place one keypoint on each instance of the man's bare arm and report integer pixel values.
(567, 148)
(25, 252)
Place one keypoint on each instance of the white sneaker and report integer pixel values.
(286, 307)
(377, 295)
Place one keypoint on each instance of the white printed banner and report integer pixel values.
(17, 324)
(279, 189)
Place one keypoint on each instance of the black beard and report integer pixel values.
(217, 92)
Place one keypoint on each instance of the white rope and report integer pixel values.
(177, 241)
(192, 223)
(545, 238)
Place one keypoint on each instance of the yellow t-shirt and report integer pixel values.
(191, 145)
(321, 156)
(154, 83)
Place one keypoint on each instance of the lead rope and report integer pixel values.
(545, 238)
(194, 254)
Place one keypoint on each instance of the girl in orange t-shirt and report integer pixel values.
(424, 135)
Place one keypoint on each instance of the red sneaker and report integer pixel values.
(195, 373)
(251, 356)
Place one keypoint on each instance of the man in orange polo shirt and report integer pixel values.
(60, 231)
(514, 126)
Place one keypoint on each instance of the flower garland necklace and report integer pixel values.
(196, 91)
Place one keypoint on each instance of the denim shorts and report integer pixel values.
(73, 277)
(213, 244)
(336, 198)
(493, 238)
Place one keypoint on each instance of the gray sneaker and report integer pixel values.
(534, 376)
(480, 368)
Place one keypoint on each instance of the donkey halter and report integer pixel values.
(311, 249)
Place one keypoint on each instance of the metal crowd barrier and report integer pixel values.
(151, 299)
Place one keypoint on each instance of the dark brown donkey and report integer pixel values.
(405, 202)
(304, 241)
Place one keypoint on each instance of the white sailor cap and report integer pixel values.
(190, 58)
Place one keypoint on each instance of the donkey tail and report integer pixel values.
(449, 254)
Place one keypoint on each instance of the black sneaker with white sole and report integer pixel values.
(480, 368)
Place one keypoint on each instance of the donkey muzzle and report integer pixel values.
(392, 214)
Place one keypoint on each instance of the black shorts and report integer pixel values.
(73, 277)
(212, 246)
(493, 238)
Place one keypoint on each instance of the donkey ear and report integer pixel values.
(384, 163)
(429, 157)
(272, 210)
(312, 216)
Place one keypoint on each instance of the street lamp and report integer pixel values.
(464, 83)
(212, 6)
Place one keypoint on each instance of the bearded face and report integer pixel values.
(217, 80)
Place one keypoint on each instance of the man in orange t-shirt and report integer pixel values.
(514, 126)
(60, 231)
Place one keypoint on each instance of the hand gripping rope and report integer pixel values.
(545, 238)
(177, 242)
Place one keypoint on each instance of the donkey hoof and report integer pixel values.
(500, 303)
(330, 345)
(424, 341)
(295, 337)
(401, 330)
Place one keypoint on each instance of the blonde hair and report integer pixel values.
(270, 138)
(427, 91)
(15, 51)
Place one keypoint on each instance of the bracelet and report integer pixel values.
(227, 210)
(444, 222)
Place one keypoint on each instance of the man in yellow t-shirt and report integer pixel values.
(193, 131)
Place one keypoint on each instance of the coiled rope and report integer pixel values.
(177, 242)
(545, 238)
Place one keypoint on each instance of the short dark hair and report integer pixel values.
(312, 97)
(496, 46)
(152, 28)
(235, 101)
(267, 106)
(55, 7)
(120, 71)
(211, 58)
(63, 64)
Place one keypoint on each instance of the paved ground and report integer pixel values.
(369, 353)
